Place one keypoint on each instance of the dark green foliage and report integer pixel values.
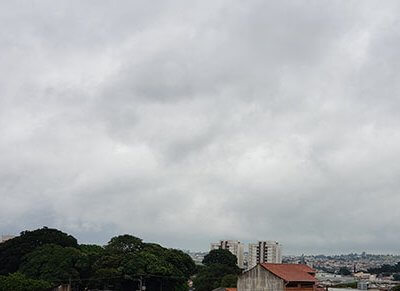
(220, 270)
(127, 257)
(352, 285)
(205, 282)
(396, 288)
(124, 244)
(396, 277)
(19, 282)
(200, 268)
(54, 263)
(344, 271)
(220, 256)
(182, 262)
(386, 269)
(56, 257)
(229, 280)
(215, 276)
(91, 249)
(12, 251)
(92, 253)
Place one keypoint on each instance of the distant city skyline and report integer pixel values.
(206, 248)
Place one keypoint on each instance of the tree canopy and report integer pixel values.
(54, 263)
(220, 270)
(344, 271)
(220, 256)
(128, 257)
(19, 282)
(124, 244)
(49, 256)
(386, 269)
(13, 250)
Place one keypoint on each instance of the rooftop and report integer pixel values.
(291, 272)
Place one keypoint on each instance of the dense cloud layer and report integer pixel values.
(185, 122)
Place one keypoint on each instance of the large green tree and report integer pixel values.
(124, 244)
(108, 269)
(92, 254)
(127, 259)
(13, 250)
(229, 280)
(220, 270)
(54, 263)
(19, 282)
(220, 256)
(54, 256)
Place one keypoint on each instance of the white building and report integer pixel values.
(234, 246)
(264, 252)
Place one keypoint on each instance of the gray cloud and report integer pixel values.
(184, 123)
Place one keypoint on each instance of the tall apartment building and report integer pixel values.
(234, 246)
(264, 252)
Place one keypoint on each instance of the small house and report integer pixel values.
(278, 277)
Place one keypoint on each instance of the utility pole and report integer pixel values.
(141, 286)
(141, 283)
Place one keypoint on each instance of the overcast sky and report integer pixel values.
(186, 122)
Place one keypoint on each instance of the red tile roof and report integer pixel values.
(291, 272)
(230, 289)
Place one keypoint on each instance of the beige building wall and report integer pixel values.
(259, 279)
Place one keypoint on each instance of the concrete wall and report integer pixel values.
(259, 279)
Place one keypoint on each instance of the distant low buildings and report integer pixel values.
(197, 257)
(362, 285)
(278, 277)
(364, 276)
(355, 262)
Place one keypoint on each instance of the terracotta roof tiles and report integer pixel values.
(291, 272)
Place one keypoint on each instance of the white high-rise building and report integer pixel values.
(264, 252)
(234, 246)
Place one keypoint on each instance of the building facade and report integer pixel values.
(234, 246)
(278, 277)
(264, 252)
